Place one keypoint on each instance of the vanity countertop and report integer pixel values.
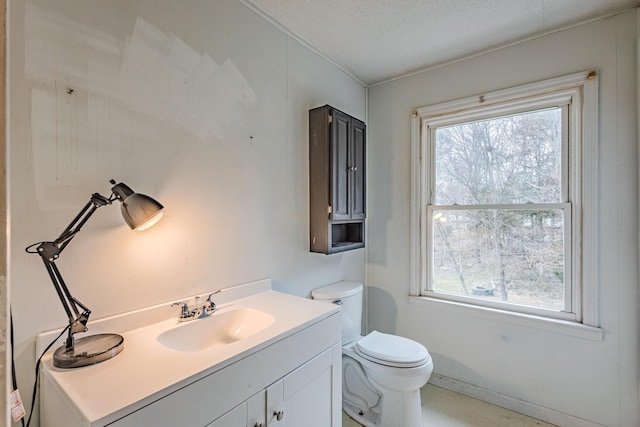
(146, 370)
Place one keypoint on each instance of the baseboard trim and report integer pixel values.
(530, 409)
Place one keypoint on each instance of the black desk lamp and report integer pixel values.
(140, 212)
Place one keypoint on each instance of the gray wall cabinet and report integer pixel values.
(337, 175)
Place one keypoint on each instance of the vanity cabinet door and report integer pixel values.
(237, 417)
(309, 396)
(248, 414)
(256, 410)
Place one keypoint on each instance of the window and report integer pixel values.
(503, 194)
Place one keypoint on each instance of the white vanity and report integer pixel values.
(263, 359)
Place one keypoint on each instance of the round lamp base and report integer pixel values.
(89, 351)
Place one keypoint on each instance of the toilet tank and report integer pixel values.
(348, 295)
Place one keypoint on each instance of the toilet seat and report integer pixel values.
(392, 350)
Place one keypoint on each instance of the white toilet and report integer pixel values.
(381, 374)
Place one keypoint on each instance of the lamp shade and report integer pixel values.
(138, 210)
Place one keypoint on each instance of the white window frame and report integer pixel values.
(579, 93)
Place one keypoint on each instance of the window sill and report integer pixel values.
(565, 327)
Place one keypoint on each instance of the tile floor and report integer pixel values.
(444, 408)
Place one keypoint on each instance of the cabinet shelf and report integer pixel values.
(346, 236)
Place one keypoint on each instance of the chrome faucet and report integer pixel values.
(198, 311)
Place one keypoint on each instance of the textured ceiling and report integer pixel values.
(376, 40)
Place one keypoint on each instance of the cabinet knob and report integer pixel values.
(279, 415)
(353, 168)
(258, 425)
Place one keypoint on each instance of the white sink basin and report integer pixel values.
(219, 329)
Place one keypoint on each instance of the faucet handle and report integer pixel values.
(212, 305)
(184, 311)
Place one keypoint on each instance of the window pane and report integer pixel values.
(514, 256)
(510, 159)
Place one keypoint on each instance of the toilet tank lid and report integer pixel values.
(337, 290)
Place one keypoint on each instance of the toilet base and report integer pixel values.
(366, 418)
(399, 409)
(382, 396)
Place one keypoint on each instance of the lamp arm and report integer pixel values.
(77, 320)
(50, 252)
(97, 200)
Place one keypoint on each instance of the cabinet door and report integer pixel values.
(340, 167)
(248, 414)
(256, 410)
(307, 396)
(237, 417)
(357, 157)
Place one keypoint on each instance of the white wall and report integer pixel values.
(201, 104)
(592, 381)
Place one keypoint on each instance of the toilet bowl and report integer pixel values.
(381, 374)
